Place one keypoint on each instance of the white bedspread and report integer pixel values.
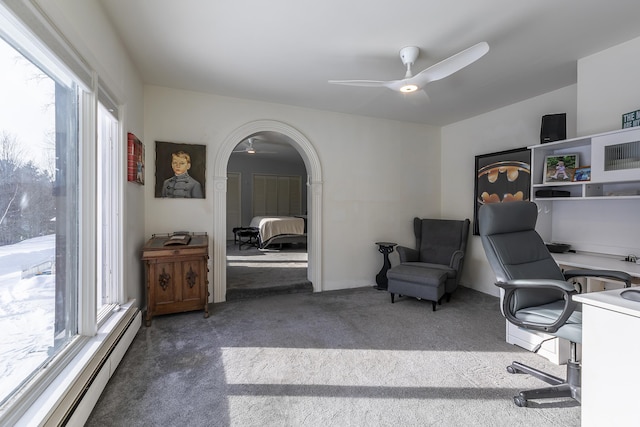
(270, 226)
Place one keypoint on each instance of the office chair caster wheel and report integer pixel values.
(511, 369)
(520, 401)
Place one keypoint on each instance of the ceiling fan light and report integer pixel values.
(408, 88)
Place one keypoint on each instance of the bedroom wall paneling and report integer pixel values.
(247, 166)
(277, 195)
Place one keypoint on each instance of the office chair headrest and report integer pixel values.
(498, 218)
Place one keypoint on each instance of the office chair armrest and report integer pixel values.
(510, 287)
(605, 274)
(515, 284)
(408, 254)
(456, 259)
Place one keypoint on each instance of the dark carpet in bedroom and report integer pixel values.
(252, 272)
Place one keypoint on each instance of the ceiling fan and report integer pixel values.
(250, 149)
(411, 83)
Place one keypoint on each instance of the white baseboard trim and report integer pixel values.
(70, 399)
(84, 407)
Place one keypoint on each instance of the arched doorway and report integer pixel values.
(314, 200)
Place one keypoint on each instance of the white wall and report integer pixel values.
(378, 174)
(608, 87)
(85, 26)
(515, 126)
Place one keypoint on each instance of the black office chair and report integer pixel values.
(537, 295)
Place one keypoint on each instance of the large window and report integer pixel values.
(38, 216)
(58, 257)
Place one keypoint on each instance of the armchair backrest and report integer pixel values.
(438, 239)
(515, 250)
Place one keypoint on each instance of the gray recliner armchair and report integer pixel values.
(537, 294)
(433, 269)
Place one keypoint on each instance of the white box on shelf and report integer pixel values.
(616, 156)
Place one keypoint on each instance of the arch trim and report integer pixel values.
(314, 201)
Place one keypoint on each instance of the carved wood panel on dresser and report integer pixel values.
(176, 276)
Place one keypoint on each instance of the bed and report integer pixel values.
(274, 230)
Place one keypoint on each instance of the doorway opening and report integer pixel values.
(313, 198)
(266, 218)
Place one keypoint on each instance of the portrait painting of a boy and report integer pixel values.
(180, 170)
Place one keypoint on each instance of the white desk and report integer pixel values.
(610, 331)
(598, 262)
(610, 350)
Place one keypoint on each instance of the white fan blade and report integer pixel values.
(367, 83)
(450, 65)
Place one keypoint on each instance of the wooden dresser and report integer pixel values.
(176, 275)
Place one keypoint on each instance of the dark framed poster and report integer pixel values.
(501, 177)
(180, 170)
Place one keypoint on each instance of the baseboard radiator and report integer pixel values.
(75, 408)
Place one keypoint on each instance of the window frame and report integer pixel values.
(113, 247)
(42, 45)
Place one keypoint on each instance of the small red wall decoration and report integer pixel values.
(135, 159)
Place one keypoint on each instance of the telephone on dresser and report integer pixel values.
(178, 238)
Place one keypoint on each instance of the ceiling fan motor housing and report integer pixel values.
(409, 54)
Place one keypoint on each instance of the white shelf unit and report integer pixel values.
(614, 158)
(606, 184)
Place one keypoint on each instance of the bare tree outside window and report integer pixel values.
(27, 206)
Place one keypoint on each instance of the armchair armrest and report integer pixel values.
(510, 287)
(456, 259)
(408, 254)
(606, 274)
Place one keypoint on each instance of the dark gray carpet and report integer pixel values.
(341, 358)
(252, 272)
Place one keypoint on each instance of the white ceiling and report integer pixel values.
(284, 51)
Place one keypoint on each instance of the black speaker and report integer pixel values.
(553, 128)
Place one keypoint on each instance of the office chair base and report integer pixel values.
(559, 387)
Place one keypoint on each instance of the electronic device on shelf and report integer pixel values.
(552, 193)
